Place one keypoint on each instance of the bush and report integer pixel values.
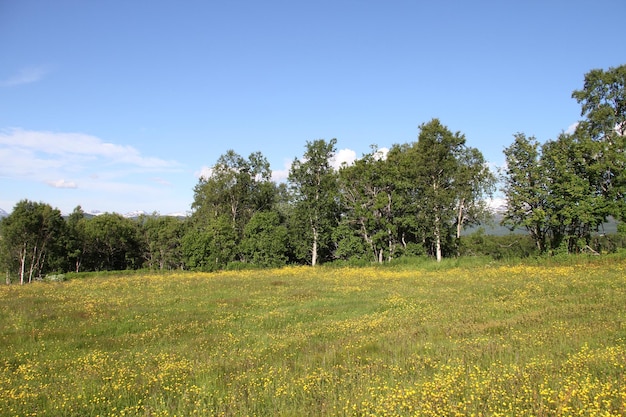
(55, 278)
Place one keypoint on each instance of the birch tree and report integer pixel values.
(313, 183)
(30, 235)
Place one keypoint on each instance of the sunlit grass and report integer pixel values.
(525, 339)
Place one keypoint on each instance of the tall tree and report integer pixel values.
(162, 237)
(265, 241)
(525, 189)
(30, 236)
(474, 181)
(445, 180)
(210, 246)
(76, 239)
(437, 152)
(573, 206)
(370, 203)
(113, 243)
(235, 189)
(313, 183)
(603, 106)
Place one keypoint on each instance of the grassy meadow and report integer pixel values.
(534, 339)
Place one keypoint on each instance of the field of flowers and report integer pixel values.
(499, 340)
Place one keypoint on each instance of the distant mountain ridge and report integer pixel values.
(137, 213)
(3, 213)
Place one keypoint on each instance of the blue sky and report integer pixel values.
(119, 105)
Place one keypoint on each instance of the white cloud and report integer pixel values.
(25, 76)
(571, 128)
(497, 203)
(204, 173)
(280, 175)
(381, 154)
(347, 156)
(162, 181)
(47, 156)
(78, 145)
(62, 184)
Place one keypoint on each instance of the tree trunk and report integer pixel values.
(437, 239)
(314, 250)
(22, 264)
(32, 265)
(459, 219)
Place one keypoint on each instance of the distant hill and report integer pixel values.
(3, 213)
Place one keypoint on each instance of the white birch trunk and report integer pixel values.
(437, 239)
(22, 264)
(314, 250)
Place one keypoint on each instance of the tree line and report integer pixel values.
(416, 199)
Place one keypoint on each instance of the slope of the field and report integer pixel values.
(498, 339)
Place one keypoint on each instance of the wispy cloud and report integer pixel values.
(48, 156)
(162, 181)
(62, 184)
(25, 76)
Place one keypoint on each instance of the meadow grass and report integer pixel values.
(524, 339)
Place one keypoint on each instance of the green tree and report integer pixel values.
(603, 102)
(76, 239)
(265, 241)
(162, 236)
(235, 190)
(236, 186)
(573, 207)
(603, 106)
(445, 181)
(113, 243)
(475, 181)
(30, 238)
(370, 204)
(313, 183)
(211, 246)
(526, 189)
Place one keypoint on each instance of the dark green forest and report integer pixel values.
(420, 199)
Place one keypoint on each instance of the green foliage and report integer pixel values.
(603, 104)
(162, 241)
(265, 241)
(445, 183)
(372, 205)
(210, 246)
(525, 189)
(504, 247)
(573, 206)
(113, 243)
(314, 189)
(224, 203)
(562, 191)
(31, 240)
(350, 244)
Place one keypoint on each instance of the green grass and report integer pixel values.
(460, 338)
